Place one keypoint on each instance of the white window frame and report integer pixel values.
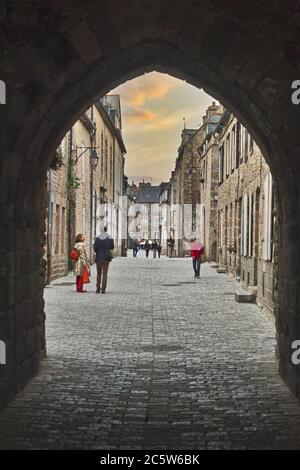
(244, 245)
(268, 196)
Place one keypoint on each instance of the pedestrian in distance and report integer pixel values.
(147, 248)
(81, 262)
(159, 249)
(197, 252)
(154, 248)
(135, 248)
(103, 247)
(171, 243)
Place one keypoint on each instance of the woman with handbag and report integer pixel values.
(81, 263)
(103, 246)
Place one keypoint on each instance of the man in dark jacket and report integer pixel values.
(102, 246)
(147, 248)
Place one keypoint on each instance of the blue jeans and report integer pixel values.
(196, 266)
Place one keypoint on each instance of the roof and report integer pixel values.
(147, 194)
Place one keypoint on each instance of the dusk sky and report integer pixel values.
(153, 108)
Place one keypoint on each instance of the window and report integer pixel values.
(268, 223)
(251, 144)
(244, 227)
(63, 230)
(51, 225)
(106, 159)
(83, 220)
(242, 139)
(246, 145)
(232, 149)
(111, 165)
(102, 152)
(221, 164)
(237, 144)
(250, 224)
(227, 152)
(57, 228)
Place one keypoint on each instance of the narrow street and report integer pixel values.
(160, 361)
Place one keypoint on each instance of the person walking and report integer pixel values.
(81, 262)
(158, 249)
(147, 248)
(135, 248)
(154, 248)
(171, 243)
(197, 251)
(103, 246)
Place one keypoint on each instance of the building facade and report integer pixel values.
(144, 212)
(221, 172)
(189, 216)
(86, 190)
(245, 222)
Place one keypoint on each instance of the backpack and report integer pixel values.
(74, 255)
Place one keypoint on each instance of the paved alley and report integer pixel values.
(160, 361)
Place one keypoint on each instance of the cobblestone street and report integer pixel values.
(160, 361)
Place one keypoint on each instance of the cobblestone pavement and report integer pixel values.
(160, 361)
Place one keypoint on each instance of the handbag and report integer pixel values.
(74, 255)
(86, 276)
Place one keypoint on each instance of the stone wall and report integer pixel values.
(57, 63)
(246, 180)
(57, 220)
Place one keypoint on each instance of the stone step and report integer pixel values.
(214, 265)
(221, 270)
(245, 296)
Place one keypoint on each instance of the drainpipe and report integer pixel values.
(70, 241)
(91, 189)
(114, 199)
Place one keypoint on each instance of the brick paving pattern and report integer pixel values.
(160, 361)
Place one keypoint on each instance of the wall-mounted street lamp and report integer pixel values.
(94, 157)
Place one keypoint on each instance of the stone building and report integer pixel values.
(245, 222)
(144, 214)
(188, 213)
(221, 173)
(109, 190)
(57, 241)
(164, 213)
(209, 151)
(87, 191)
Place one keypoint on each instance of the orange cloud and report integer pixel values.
(140, 115)
(138, 91)
(145, 119)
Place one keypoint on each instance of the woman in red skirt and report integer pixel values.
(81, 266)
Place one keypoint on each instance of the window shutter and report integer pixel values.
(242, 229)
(233, 161)
(250, 226)
(267, 251)
(242, 143)
(245, 225)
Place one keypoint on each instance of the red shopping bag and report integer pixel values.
(86, 276)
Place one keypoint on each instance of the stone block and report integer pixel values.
(221, 270)
(214, 265)
(243, 296)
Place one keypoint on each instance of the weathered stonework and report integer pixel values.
(246, 55)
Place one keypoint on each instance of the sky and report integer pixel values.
(153, 107)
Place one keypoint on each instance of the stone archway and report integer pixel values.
(60, 55)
